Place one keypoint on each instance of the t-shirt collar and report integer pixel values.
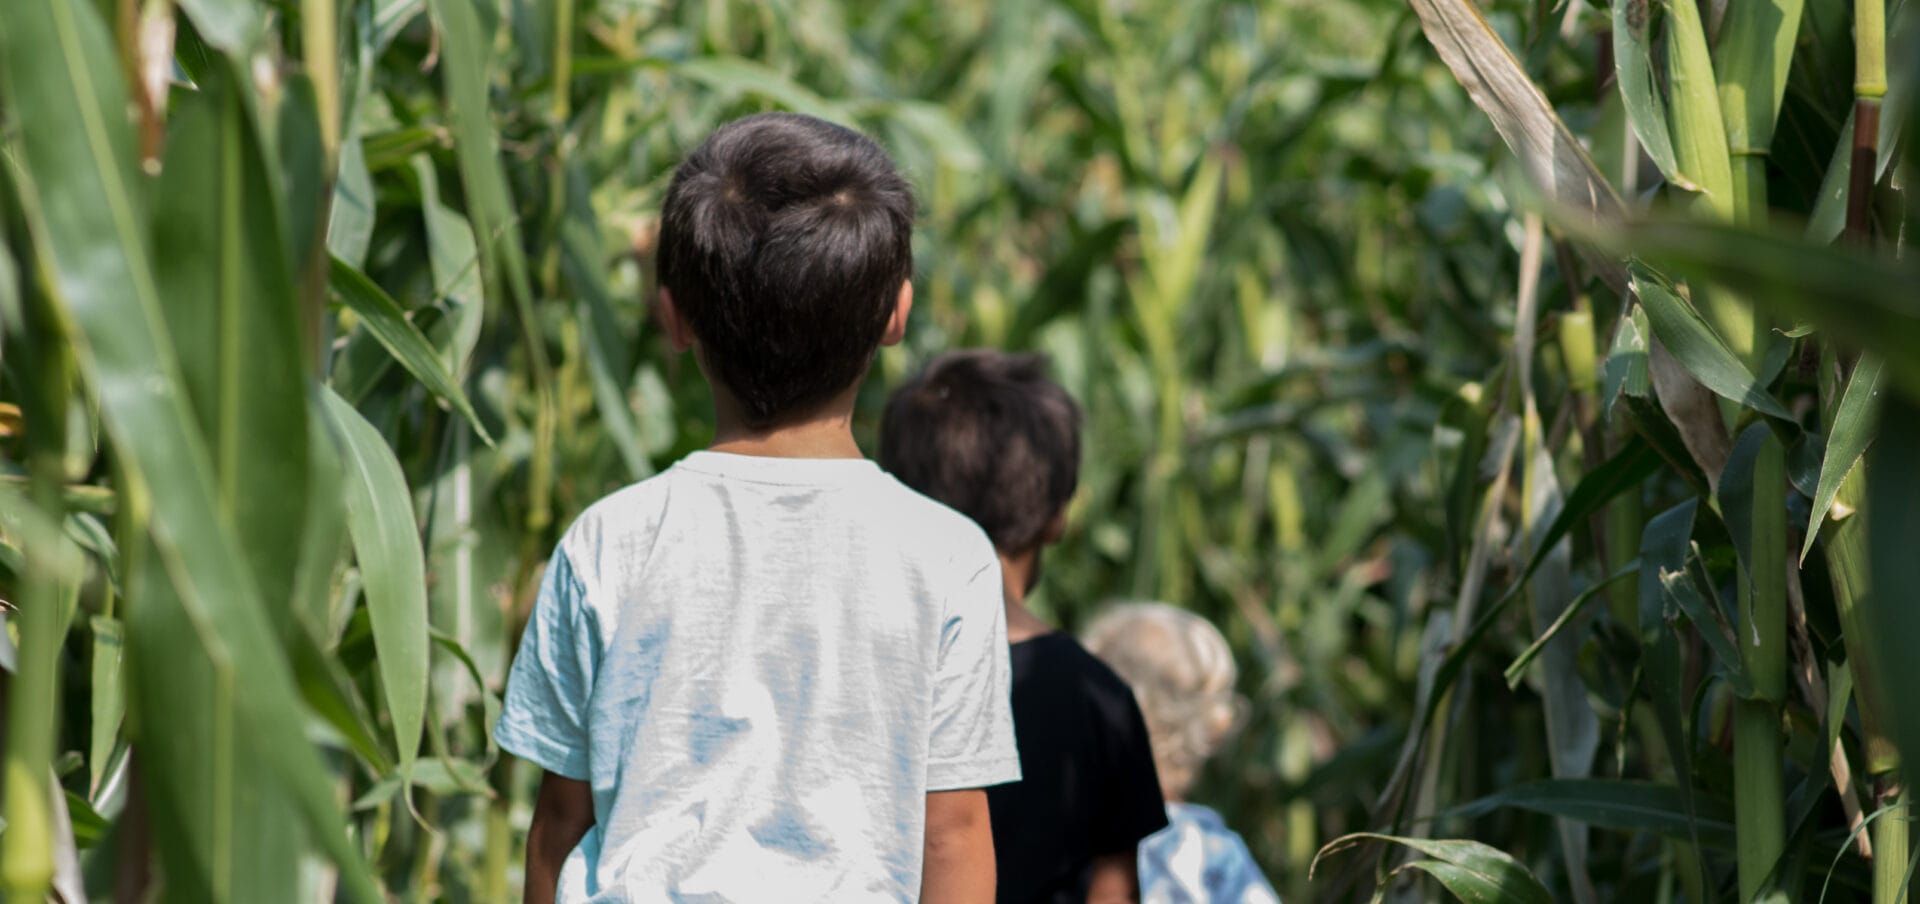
(777, 470)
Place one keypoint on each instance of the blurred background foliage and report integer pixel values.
(322, 319)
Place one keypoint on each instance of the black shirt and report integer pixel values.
(1087, 784)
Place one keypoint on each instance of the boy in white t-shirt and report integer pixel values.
(772, 672)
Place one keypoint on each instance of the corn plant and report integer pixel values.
(1723, 613)
(319, 320)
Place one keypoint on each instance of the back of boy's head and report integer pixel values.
(784, 241)
(990, 435)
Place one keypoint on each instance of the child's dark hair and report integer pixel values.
(785, 240)
(990, 435)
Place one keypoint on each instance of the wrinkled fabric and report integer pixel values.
(1196, 859)
(762, 666)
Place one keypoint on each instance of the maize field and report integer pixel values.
(1530, 392)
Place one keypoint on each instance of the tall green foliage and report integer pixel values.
(320, 320)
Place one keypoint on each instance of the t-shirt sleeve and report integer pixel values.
(1130, 808)
(972, 742)
(544, 719)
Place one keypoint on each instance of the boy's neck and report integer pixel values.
(1017, 573)
(827, 433)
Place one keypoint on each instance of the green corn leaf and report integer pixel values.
(232, 26)
(325, 538)
(439, 776)
(455, 260)
(1754, 55)
(1625, 371)
(1469, 642)
(1698, 348)
(291, 129)
(1752, 499)
(1626, 470)
(608, 349)
(350, 227)
(386, 540)
(1478, 883)
(48, 579)
(1699, 134)
(108, 703)
(95, 252)
(1472, 871)
(87, 826)
(227, 290)
(1639, 90)
(1555, 161)
(738, 76)
(489, 701)
(1736, 496)
(466, 44)
(1829, 216)
(1653, 426)
(328, 690)
(1627, 806)
(1862, 299)
(1175, 260)
(1893, 520)
(217, 811)
(1854, 424)
(467, 29)
(390, 16)
(1664, 547)
(1683, 593)
(1516, 671)
(388, 323)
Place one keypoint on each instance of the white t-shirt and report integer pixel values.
(763, 665)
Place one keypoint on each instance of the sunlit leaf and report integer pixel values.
(1854, 424)
(1472, 871)
(226, 286)
(1554, 159)
(386, 541)
(1633, 22)
(388, 322)
(79, 158)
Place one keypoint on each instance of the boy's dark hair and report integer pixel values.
(785, 240)
(989, 434)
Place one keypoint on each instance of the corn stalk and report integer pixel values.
(1755, 56)
(1847, 544)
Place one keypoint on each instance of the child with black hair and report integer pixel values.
(771, 672)
(990, 435)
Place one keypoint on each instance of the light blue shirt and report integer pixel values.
(762, 666)
(1196, 859)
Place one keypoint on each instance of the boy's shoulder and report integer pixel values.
(633, 509)
(1059, 657)
(928, 526)
(918, 526)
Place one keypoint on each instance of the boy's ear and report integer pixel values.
(678, 334)
(897, 323)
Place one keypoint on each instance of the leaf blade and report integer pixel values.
(381, 523)
(1698, 348)
(80, 156)
(388, 323)
(1854, 424)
